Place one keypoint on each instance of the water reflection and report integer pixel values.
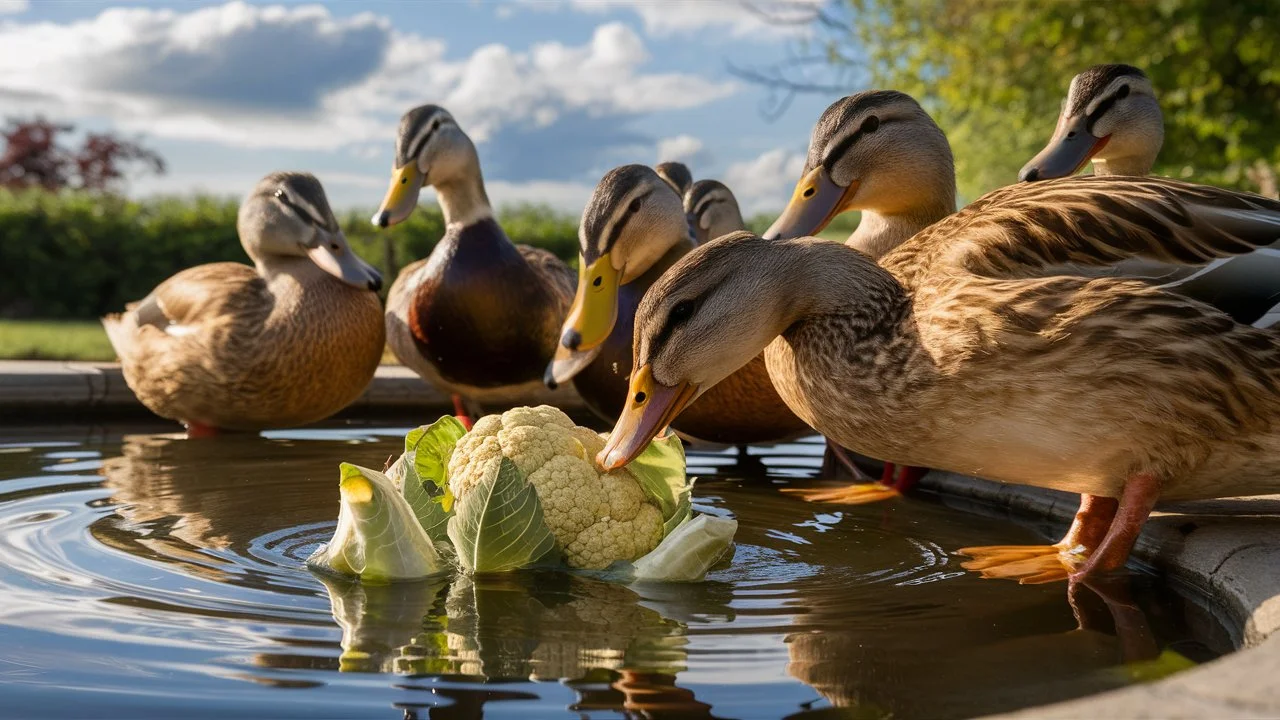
(159, 577)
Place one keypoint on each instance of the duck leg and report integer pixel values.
(1136, 502)
(200, 430)
(1035, 564)
(859, 493)
(460, 411)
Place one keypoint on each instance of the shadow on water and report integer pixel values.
(146, 575)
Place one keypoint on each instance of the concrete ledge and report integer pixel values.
(32, 390)
(1228, 549)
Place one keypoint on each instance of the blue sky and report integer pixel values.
(555, 92)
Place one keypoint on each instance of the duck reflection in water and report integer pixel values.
(1111, 645)
(601, 638)
(194, 497)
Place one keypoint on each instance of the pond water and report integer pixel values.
(147, 576)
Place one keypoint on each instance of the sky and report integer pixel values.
(553, 92)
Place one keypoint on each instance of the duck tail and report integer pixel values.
(117, 327)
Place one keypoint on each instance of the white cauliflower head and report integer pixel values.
(596, 519)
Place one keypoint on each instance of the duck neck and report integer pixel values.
(880, 232)
(463, 200)
(1128, 165)
(823, 279)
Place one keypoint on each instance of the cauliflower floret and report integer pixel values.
(530, 447)
(572, 496)
(595, 519)
(591, 441)
(609, 540)
(540, 416)
(473, 458)
(625, 496)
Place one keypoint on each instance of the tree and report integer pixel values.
(993, 74)
(34, 157)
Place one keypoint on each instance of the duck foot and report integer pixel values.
(200, 430)
(1028, 564)
(856, 494)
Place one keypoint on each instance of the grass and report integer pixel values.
(54, 340)
(82, 340)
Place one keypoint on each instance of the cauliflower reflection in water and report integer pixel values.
(545, 626)
(596, 519)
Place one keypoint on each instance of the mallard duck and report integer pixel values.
(634, 227)
(713, 210)
(676, 175)
(480, 313)
(880, 153)
(1112, 118)
(950, 353)
(290, 341)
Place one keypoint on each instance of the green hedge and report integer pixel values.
(71, 255)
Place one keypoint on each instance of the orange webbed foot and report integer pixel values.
(857, 494)
(1027, 564)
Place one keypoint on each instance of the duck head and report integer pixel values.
(288, 215)
(1111, 117)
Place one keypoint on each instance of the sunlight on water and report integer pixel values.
(145, 575)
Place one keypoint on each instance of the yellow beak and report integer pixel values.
(814, 204)
(595, 307)
(402, 196)
(650, 408)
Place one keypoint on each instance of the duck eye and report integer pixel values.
(1122, 92)
(871, 124)
(635, 206)
(682, 311)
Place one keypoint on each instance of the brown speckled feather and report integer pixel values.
(220, 345)
(952, 354)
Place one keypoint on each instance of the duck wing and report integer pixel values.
(1028, 229)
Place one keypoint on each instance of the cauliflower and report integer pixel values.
(596, 519)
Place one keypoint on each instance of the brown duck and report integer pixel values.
(287, 342)
(951, 353)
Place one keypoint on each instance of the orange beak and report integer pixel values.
(650, 408)
(817, 200)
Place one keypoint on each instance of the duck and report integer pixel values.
(480, 316)
(951, 353)
(713, 210)
(677, 175)
(634, 227)
(289, 341)
(1112, 119)
(880, 153)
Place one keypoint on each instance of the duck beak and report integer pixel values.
(402, 196)
(595, 307)
(566, 364)
(650, 408)
(1070, 148)
(815, 202)
(330, 251)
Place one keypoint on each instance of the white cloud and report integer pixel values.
(684, 148)
(297, 77)
(764, 184)
(13, 7)
(567, 197)
(739, 17)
